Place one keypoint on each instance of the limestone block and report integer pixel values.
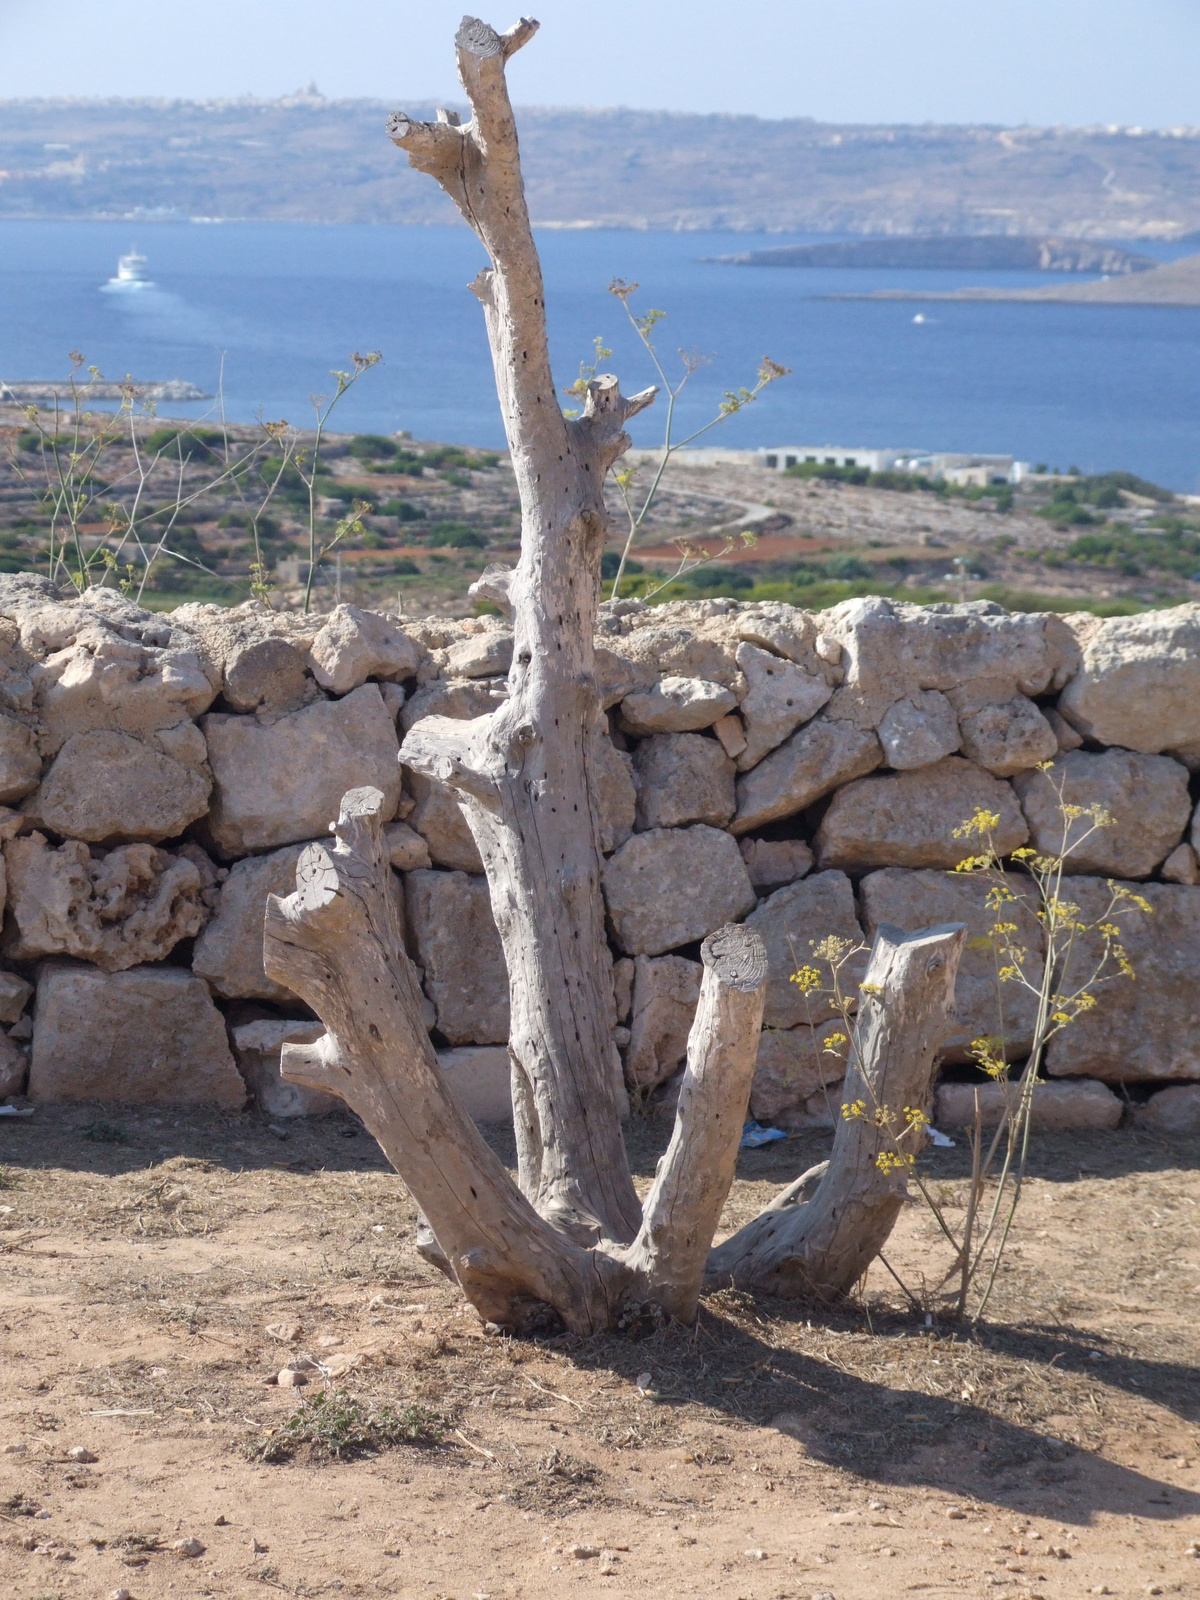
(20, 762)
(480, 1077)
(267, 674)
(617, 676)
(437, 817)
(277, 782)
(614, 792)
(730, 731)
(781, 696)
(14, 1068)
(893, 648)
(463, 700)
(623, 970)
(665, 992)
(355, 645)
(1068, 738)
(1007, 738)
(773, 862)
(109, 787)
(149, 1036)
(790, 923)
(14, 992)
(817, 758)
(785, 631)
(919, 730)
(1057, 1107)
(229, 953)
(1181, 865)
(487, 655)
(671, 886)
(793, 1065)
(458, 946)
(673, 647)
(1138, 684)
(119, 910)
(1146, 1028)
(258, 1046)
(675, 705)
(914, 900)
(1146, 795)
(907, 819)
(1174, 1110)
(682, 778)
(406, 849)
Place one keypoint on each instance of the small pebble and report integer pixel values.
(257, 1548)
(220, 1522)
(81, 1454)
(645, 1381)
(1154, 1588)
(756, 1555)
(188, 1547)
(329, 1341)
(119, 1594)
(956, 1514)
(285, 1332)
(15, 1449)
(1101, 1588)
(876, 1505)
(583, 1552)
(288, 1379)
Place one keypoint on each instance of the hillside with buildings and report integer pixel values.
(307, 158)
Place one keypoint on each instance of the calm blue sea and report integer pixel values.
(1092, 386)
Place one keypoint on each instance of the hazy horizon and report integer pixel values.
(1064, 63)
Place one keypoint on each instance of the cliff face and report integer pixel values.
(310, 159)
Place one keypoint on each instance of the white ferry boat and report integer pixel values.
(131, 275)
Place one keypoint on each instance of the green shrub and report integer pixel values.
(372, 447)
(456, 535)
(333, 1426)
(193, 444)
(404, 510)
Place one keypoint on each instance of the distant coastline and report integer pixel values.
(974, 253)
(1176, 283)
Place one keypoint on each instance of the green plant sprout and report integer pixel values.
(1079, 957)
(692, 556)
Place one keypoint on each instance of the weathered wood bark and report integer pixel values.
(681, 1211)
(821, 1246)
(522, 773)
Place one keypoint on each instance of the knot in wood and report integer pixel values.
(477, 38)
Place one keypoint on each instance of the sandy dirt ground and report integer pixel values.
(157, 1272)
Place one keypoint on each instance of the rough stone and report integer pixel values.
(907, 819)
(458, 946)
(682, 778)
(1138, 684)
(487, 655)
(671, 886)
(665, 992)
(1146, 795)
(481, 1078)
(1057, 1107)
(1068, 738)
(617, 676)
(267, 674)
(355, 645)
(258, 1047)
(109, 787)
(892, 648)
(773, 862)
(918, 730)
(1142, 1029)
(462, 700)
(229, 952)
(816, 759)
(14, 1067)
(120, 910)
(675, 705)
(613, 790)
(793, 1065)
(1174, 1110)
(14, 993)
(149, 1036)
(781, 696)
(20, 762)
(914, 900)
(790, 923)
(1181, 865)
(437, 817)
(1007, 738)
(281, 781)
(732, 734)
(623, 970)
(406, 849)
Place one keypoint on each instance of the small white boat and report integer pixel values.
(131, 275)
(920, 317)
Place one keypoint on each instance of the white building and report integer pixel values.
(964, 471)
(778, 458)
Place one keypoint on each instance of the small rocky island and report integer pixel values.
(986, 253)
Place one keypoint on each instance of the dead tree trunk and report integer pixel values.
(572, 1236)
(820, 1245)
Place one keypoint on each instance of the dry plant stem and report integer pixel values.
(694, 1176)
(522, 773)
(337, 943)
(821, 1247)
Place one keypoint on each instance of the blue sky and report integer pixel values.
(1042, 61)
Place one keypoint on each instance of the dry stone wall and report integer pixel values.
(160, 774)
